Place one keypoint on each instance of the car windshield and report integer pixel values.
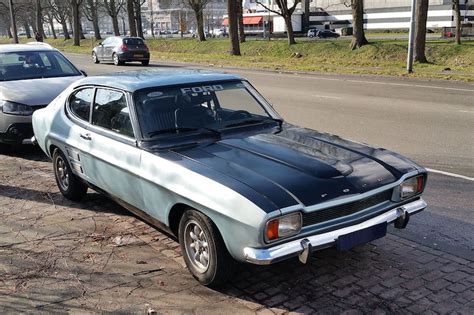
(200, 108)
(34, 65)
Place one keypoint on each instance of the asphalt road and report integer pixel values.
(431, 122)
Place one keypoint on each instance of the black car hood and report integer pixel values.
(296, 165)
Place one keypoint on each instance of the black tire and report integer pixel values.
(69, 185)
(145, 63)
(117, 60)
(95, 59)
(220, 264)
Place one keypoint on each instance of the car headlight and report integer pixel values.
(284, 226)
(411, 187)
(15, 108)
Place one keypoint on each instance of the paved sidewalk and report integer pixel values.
(93, 256)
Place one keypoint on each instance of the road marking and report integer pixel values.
(450, 174)
(327, 96)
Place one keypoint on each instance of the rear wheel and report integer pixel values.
(145, 62)
(95, 59)
(204, 250)
(69, 185)
(117, 60)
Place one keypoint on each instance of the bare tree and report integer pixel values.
(113, 8)
(457, 13)
(75, 6)
(131, 17)
(48, 17)
(60, 10)
(233, 27)
(138, 17)
(240, 9)
(420, 36)
(39, 20)
(286, 13)
(358, 35)
(91, 12)
(198, 7)
(13, 22)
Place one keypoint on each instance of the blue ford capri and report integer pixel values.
(205, 157)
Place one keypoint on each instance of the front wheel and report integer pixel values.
(69, 185)
(204, 250)
(95, 59)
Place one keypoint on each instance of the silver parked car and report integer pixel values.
(31, 76)
(120, 50)
(204, 156)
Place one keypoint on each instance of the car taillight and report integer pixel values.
(124, 47)
(146, 48)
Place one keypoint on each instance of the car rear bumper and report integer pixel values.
(303, 246)
(134, 56)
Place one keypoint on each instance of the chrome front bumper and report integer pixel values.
(302, 247)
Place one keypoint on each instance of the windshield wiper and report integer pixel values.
(253, 121)
(183, 129)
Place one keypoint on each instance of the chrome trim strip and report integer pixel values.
(266, 256)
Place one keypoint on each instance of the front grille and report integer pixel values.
(324, 215)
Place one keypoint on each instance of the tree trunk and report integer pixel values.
(131, 18)
(200, 24)
(27, 29)
(95, 19)
(65, 30)
(82, 32)
(13, 22)
(76, 23)
(51, 25)
(10, 35)
(233, 27)
(39, 20)
(241, 22)
(138, 19)
(358, 36)
(289, 30)
(457, 13)
(420, 36)
(115, 25)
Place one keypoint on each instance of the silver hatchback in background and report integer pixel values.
(120, 50)
(31, 76)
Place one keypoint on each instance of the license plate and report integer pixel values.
(348, 241)
(138, 55)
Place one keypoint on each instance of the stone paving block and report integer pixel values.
(390, 275)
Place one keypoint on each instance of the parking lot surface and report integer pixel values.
(93, 256)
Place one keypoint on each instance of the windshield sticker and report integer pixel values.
(202, 89)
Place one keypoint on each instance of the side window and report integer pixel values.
(80, 103)
(110, 111)
(106, 41)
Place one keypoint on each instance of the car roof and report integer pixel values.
(142, 79)
(33, 46)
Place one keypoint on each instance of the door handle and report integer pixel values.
(86, 136)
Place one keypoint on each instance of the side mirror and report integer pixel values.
(100, 44)
(83, 73)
